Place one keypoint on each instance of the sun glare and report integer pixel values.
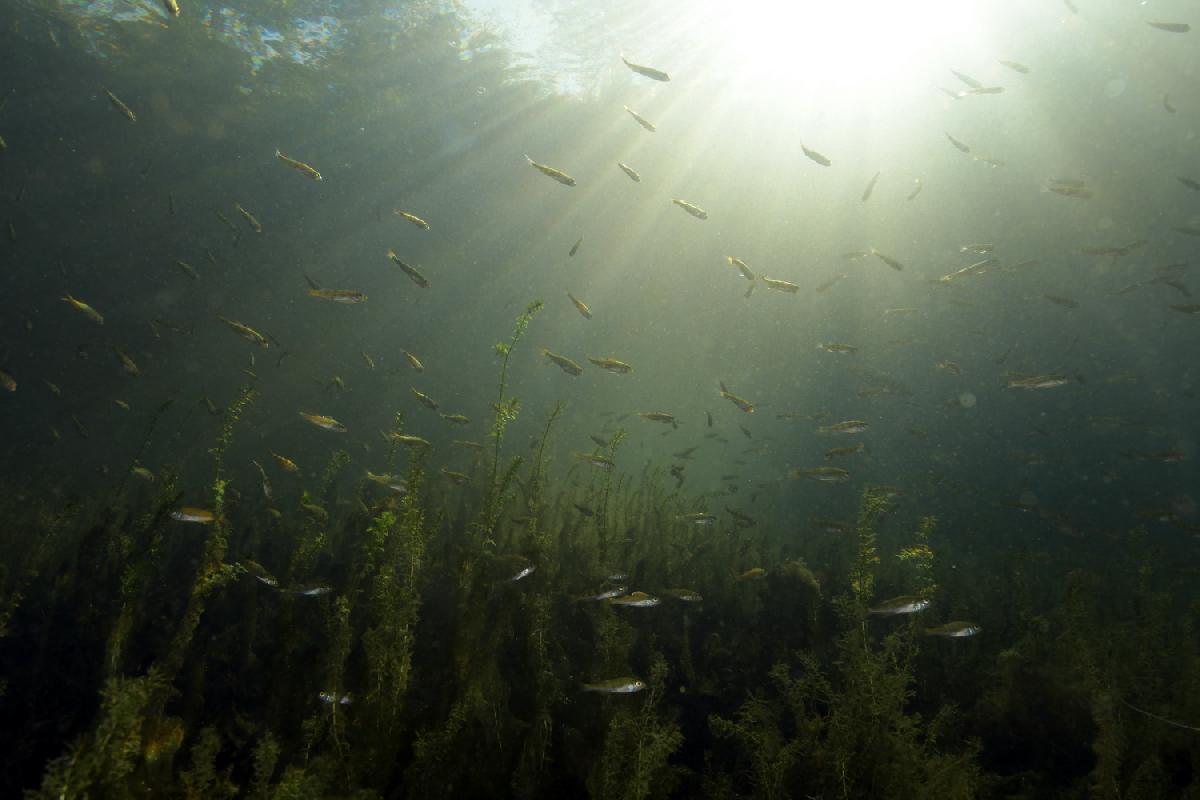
(859, 46)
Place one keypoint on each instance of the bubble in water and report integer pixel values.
(966, 400)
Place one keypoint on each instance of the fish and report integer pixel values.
(1186, 309)
(837, 347)
(412, 360)
(140, 472)
(741, 267)
(597, 460)
(284, 462)
(393, 482)
(743, 520)
(780, 286)
(891, 262)
(753, 574)
(84, 309)
(978, 249)
(708, 415)
(967, 79)
(659, 416)
(330, 698)
(616, 686)
(829, 284)
(460, 478)
(1037, 381)
(954, 630)
(565, 364)
(649, 72)
(1163, 457)
(172, 7)
(900, 312)
(645, 123)
(849, 426)
(266, 483)
(126, 362)
(1065, 302)
(817, 157)
(986, 90)
(684, 595)
(408, 439)
(311, 591)
(412, 272)
(917, 187)
(119, 106)
(821, 474)
(251, 220)
(575, 247)
(634, 600)
(322, 421)
(413, 218)
(187, 268)
(1190, 230)
(612, 365)
(838, 452)
(369, 361)
(1189, 183)
(344, 296)
(1069, 188)
(201, 516)
(304, 169)
(695, 211)
(228, 224)
(742, 404)
(1171, 27)
(425, 399)
(905, 604)
(8, 382)
(580, 306)
(630, 171)
(697, 518)
(606, 594)
(556, 174)
(866, 195)
(1015, 66)
(1166, 101)
(456, 419)
(246, 332)
(962, 146)
(949, 366)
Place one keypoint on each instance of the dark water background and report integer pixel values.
(426, 108)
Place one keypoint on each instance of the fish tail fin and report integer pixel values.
(277, 153)
(530, 160)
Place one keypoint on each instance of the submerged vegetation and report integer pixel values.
(549, 606)
(427, 645)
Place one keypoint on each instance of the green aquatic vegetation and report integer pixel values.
(875, 504)
(638, 744)
(919, 556)
(101, 762)
(266, 757)
(539, 535)
(204, 781)
(506, 412)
